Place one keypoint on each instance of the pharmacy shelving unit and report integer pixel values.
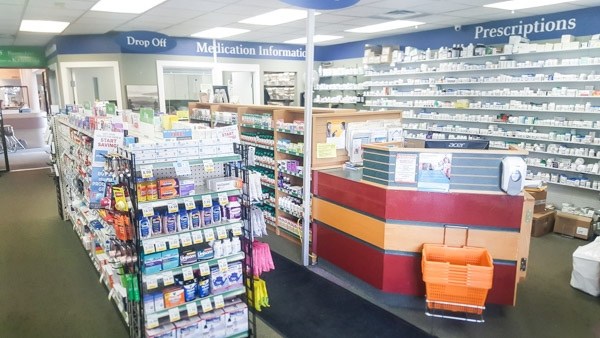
(547, 102)
(203, 271)
(72, 147)
(281, 87)
(213, 114)
(341, 87)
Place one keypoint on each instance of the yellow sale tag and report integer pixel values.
(151, 321)
(206, 305)
(223, 199)
(146, 171)
(148, 211)
(192, 309)
(209, 235)
(174, 315)
(207, 201)
(221, 233)
(204, 269)
(189, 203)
(223, 265)
(197, 237)
(219, 302)
(209, 166)
(173, 207)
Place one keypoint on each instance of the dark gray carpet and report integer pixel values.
(48, 286)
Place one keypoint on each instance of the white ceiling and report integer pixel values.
(184, 17)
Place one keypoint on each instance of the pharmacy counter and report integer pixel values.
(373, 222)
(30, 127)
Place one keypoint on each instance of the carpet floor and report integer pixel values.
(303, 304)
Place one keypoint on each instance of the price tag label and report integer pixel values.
(209, 235)
(223, 199)
(174, 315)
(221, 233)
(204, 269)
(223, 266)
(186, 239)
(146, 171)
(219, 302)
(209, 166)
(189, 203)
(149, 248)
(174, 242)
(236, 229)
(147, 211)
(206, 201)
(192, 309)
(188, 273)
(168, 278)
(151, 321)
(151, 282)
(197, 237)
(173, 206)
(206, 305)
(160, 246)
(182, 168)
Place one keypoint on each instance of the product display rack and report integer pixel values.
(340, 86)
(281, 87)
(198, 270)
(111, 256)
(446, 99)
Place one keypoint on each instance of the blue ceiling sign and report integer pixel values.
(145, 42)
(321, 4)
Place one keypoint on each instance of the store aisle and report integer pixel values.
(48, 286)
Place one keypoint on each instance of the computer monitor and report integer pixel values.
(458, 144)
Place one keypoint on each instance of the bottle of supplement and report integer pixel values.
(140, 187)
(216, 212)
(151, 191)
(233, 209)
(145, 231)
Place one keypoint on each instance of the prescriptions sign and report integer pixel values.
(146, 42)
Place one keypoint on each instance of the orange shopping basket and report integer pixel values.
(457, 279)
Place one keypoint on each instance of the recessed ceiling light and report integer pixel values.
(128, 6)
(219, 32)
(385, 26)
(43, 26)
(523, 4)
(316, 38)
(277, 17)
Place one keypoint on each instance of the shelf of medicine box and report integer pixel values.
(498, 55)
(471, 71)
(202, 119)
(571, 186)
(257, 145)
(228, 224)
(268, 203)
(479, 83)
(500, 136)
(290, 212)
(64, 121)
(289, 131)
(287, 172)
(280, 86)
(562, 170)
(168, 162)
(256, 126)
(196, 266)
(268, 185)
(201, 191)
(227, 123)
(563, 155)
(508, 96)
(263, 165)
(289, 152)
(501, 123)
(291, 193)
(226, 295)
(497, 109)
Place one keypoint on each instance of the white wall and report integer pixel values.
(84, 84)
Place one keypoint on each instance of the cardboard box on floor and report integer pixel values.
(542, 223)
(573, 225)
(540, 195)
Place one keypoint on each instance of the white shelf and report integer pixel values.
(197, 197)
(563, 170)
(484, 83)
(500, 136)
(488, 109)
(564, 155)
(488, 95)
(501, 123)
(573, 186)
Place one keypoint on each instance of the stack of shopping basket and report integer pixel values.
(457, 280)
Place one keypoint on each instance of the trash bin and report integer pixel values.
(586, 268)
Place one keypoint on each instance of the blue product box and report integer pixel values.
(170, 259)
(153, 263)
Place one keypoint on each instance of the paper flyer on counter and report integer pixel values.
(434, 172)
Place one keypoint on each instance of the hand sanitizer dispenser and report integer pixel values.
(513, 175)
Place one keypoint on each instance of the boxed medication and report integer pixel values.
(572, 225)
(539, 194)
(164, 331)
(542, 223)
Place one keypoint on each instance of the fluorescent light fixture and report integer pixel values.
(127, 6)
(43, 26)
(219, 32)
(523, 4)
(385, 26)
(316, 38)
(277, 17)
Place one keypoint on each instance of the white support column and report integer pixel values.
(308, 105)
